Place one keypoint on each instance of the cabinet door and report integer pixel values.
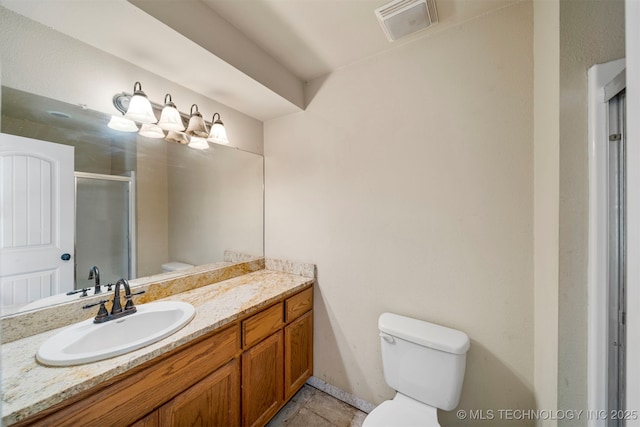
(298, 353)
(262, 380)
(150, 420)
(214, 401)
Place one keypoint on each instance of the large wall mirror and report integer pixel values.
(139, 203)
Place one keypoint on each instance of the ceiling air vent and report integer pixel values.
(400, 18)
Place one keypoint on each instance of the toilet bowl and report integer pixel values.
(425, 364)
(402, 411)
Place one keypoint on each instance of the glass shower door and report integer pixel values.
(104, 227)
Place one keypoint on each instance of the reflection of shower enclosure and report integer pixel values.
(105, 227)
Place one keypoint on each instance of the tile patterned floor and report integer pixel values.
(311, 407)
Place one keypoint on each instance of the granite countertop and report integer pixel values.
(29, 387)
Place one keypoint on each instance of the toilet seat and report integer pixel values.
(402, 411)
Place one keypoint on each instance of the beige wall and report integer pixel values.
(591, 32)
(409, 181)
(230, 217)
(152, 210)
(546, 144)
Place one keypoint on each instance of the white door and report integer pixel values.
(36, 221)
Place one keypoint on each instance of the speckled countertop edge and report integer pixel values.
(29, 387)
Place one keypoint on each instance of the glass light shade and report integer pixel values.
(198, 143)
(140, 109)
(170, 118)
(151, 131)
(196, 126)
(122, 124)
(177, 137)
(218, 133)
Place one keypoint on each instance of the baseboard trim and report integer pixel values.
(340, 394)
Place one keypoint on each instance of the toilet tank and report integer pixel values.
(423, 360)
(175, 266)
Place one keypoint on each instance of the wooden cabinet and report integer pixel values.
(126, 399)
(298, 304)
(275, 368)
(261, 325)
(262, 380)
(298, 353)
(241, 375)
(151, 420)
(214, 401)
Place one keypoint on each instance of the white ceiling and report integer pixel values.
(315, 37)
(252, 55)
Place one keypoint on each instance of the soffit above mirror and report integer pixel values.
(123, 30)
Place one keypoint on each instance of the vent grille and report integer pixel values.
(400, 18)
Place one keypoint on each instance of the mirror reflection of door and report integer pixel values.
(36, 221)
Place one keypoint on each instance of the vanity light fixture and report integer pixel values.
(177, 137)
(170, 118)
(122, 124)
(218, 133)
(196, 124)
(151, 131)
(198, 143)
(140, 109)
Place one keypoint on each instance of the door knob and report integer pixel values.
(65, 257)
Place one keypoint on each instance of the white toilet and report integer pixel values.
(175, 266)
(425, 364)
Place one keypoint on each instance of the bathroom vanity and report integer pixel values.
(246, 352)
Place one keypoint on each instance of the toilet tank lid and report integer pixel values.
(424, 333)
(175, 265)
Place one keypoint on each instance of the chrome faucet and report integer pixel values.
(94, 273)
(116, 308)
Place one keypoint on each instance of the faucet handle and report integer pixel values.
(137, 293)
(129, 305)
(83, 290)
(101, 302)
(102, 311)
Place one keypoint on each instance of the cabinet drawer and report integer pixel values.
(261, 325)
(298, 304)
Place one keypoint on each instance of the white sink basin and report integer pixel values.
(52, 300)
(86, 341)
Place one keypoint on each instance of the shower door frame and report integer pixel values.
(131, 180)
(617, 283)
(605, 82)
